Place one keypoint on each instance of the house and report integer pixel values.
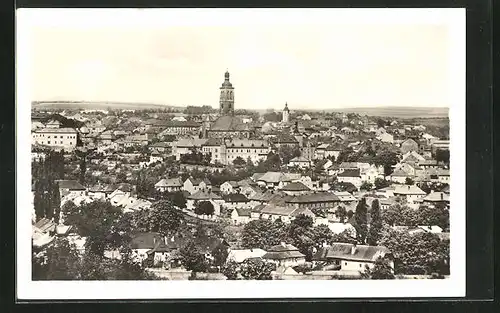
(240, 255)
(70, 186)
(63, 138)
(352, 176)
(426, 164)
(240, 216)
(295, 189)
(150, 245)
(255, 150)
(185, 146)
(399, 176)
(410, 193)
(282, 212)
(161, 147)
(284, 255)
(434, 198)
(444, 176)
(300, 162)
(136, 204)
(201, 195)
(315, 200)
(370, 174)
(386, 137)
(192, 185)
(100, 191)
(230, 186)
(277, 179)
(181, 128)
(351, 257)
(412, 157)
(409, 145)
(235, 200)
(169, 185)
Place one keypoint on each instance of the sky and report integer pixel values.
(306, 63)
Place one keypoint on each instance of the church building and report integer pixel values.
(228, 125)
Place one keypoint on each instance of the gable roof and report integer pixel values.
(235, 197)
(204, 195)
(343, 251)
(69, 184)
(314, 198)
(282, 251)
(170, 182)
(408, 190)
(350, 172)
(295, 186)
(243, 212)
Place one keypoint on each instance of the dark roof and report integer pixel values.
(236, 197)
(70, 184)
(243, 212)
(295, 186)
(314, 197)
(350, 172)
(283, 251)
(343, 251)
(229, 123)
(190, 124)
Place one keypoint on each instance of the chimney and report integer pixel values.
(353, 249)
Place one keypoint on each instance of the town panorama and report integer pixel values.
(197, 193)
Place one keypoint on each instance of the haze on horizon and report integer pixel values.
(308, 65)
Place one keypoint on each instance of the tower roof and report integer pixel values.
(286, 107)
(226, 83)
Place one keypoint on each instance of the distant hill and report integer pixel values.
(92, 105)
(397, 112)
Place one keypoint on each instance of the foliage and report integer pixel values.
(220, 254)
(438, 215)
(361, 221)
(387, 159)
(287, 153)
(230, 269)
(443, 155)
(204, 208)
(417, 254)
(192, 258)
(271, 163)
(409, 181)
(341, 213)
(381, 270)
(196, 157)
(263, 234)
(381, 183)
(345, 237)
(257, 269)
(239, 162)
(399, 215)
(165, 218)
(374, 231)
(367, 186)
(60, 262)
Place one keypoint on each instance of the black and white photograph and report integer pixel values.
(272, 152)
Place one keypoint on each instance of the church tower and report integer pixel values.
(286, 114)
(226, 103)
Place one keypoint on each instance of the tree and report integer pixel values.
(381, 270)
(220, 254)
(230, 269)
(287, 153)
(303, 221)
(399, 215)
(344, 237)
(361, 221)
(204, 208)
(56, 203)
(341, 213)
(59, 262)
(257, 269)
(239, 162)
(409, 181)
(381, 183)
(374, 231)
(178, 199)
(192, 258)
(417, 254)
(83, 168)
(438, 215)
(387, 159)
(443, 155)
(367, 186)
(39, 200)
(165, 218)
(262, 234)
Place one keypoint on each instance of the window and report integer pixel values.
(359, 265)
(48, 142)
(345, 263)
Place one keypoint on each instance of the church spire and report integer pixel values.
(226, 101)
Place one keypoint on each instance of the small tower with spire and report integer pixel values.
(226, 103)
(286, 114)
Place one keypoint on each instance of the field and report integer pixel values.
(398, 112)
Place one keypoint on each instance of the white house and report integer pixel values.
(352, 176)
(284, 255)
(169, 185)
(411, 193)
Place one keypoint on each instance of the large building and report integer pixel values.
(65, 138)
(228, 125)
(226, 151)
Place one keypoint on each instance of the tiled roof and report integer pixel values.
(408, 190)
(65, 130)
(437, 197)
(174, 123)
(295, 186)
(243, 212)
(235, 197)
(350, 173)
(280, 252)
(70, 184)
(343, 251)
(171, 182)
(241, 255)
(204, 195)
(314, 198)
(229, 123)
(276, 177)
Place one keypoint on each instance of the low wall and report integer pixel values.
(183, 275)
